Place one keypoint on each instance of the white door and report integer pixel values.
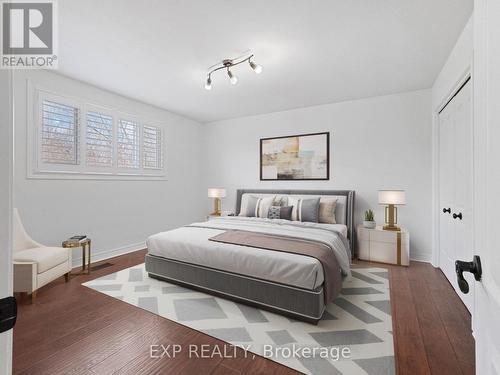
(5, 211)
(486, 318)
(455, 192)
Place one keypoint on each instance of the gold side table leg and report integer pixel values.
(83, 257)
(88, 266)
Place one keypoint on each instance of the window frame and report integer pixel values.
(37, 169)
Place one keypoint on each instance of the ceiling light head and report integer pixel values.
(232, 78)
(256, 67)
(208, 84)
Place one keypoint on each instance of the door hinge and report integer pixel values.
(8, 313)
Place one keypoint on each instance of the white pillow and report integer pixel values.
(263, 206)
(244, 204)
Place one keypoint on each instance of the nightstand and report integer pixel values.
(378, 245)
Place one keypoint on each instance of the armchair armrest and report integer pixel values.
(25, 274)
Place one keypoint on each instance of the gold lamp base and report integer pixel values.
(217, 207)
(391, 227)
(391, 218)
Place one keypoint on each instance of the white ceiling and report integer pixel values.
(313, 52)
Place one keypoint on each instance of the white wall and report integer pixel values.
(376, 143)
(117, 215)
(457, 67)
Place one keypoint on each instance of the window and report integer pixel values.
(152, 147)
(59, 139)
(99, 140)
(128, 144)
(75, 139)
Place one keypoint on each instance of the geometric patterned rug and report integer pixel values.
(359, 319)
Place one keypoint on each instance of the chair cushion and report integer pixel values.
(45, 257)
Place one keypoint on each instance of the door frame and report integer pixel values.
(435, 261)
(6, 232)
(436, 209)
(487, 286)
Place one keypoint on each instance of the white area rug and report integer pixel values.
(359, 319)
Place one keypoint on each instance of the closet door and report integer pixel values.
(455, 170)
(462, 208)
(447, 191)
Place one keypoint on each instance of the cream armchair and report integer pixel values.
(36, 265)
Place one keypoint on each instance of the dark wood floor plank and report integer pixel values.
(76, 330)
(455, 318)
(93, 349)
(409, 346)
(440, 354)
(136, 357)
(29, 355)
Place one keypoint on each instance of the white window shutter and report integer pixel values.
(59, 133)
(128, 144)
(99, 139)
(152, 147)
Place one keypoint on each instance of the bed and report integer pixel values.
(277, 277)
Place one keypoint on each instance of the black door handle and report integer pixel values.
(8, 313)
(459, 215)
(473, 267)
(445, 210)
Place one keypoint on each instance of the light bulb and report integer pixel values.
(232, 78)
(256, 67)
(208, 84)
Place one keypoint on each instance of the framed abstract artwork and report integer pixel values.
(295, 157)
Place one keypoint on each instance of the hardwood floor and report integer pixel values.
(74, 330)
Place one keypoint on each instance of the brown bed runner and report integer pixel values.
(314, 249)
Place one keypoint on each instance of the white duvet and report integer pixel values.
(190, 244)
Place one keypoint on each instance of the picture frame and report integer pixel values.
(300, 157)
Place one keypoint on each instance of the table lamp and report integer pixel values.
(391, 198)
(217, 194)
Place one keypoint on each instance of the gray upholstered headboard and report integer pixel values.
(349, 209)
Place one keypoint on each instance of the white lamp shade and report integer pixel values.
(391, 197)
(216, 193)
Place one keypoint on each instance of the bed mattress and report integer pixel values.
(191, 244)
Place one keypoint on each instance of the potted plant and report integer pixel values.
(369, 220)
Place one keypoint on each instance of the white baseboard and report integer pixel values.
(106, 254)
(423, 257)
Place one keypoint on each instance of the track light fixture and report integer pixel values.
(228, 64)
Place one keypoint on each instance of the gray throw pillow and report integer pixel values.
(286, 212)
(309, 210)
(251, 206)
(278, 212)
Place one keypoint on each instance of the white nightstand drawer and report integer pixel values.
(380, 252)
(364, 249)
(363, 234)
(383, 236)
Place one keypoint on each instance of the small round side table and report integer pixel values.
(86, 247)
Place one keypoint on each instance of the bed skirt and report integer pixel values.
(297, 303)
